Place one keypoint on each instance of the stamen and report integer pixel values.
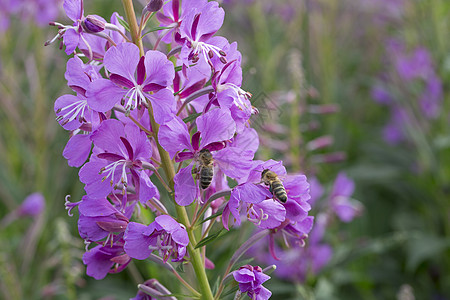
(110, 173)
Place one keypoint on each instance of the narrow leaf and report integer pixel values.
(191, 117)
(211, 238)
(124, 24)
(155, 29)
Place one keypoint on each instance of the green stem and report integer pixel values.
(168, 167)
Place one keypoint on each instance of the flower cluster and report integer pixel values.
(39, 11)
(296, 264)
(415, 73)
(135, 112)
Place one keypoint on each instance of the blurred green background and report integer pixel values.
(299, 56)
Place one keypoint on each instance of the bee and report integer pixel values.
(276, 187)
(206, 168)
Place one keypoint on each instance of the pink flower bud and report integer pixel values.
(91, 24)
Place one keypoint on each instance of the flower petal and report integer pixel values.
(136, 243)
(185, 188)
(158, 68)
(174, 136)
(103, 94)
(163, 104)
(73, 9)
(122, 60)
(215, 126)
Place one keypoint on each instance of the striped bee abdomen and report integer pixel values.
(206, 176)
(278, 190)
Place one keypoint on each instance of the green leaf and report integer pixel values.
(180, 268)
(233, 290)
(191, 117)
(211, 238)
(124, 24)
(179, 296)
(212, 217)
(216, 285)
(155, 29)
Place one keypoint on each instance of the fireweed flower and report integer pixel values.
(296, 263)
(100, 219)
(74, 35)
(170, 16)
(250, 281)
(134, 79)
(33, 205)
(199, 107)
(102, 260)
(73, 111)
(228, 93)
(414, 68)
(214, 128)
(164, 235)
(250, 191)
(117, 161)
(196, 31)
(341, 203)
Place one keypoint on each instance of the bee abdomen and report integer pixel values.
(279, 191)
(206, 176)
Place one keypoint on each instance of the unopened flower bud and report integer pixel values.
(91, 24)
(320, 142)
(154, 5)
(32, 206)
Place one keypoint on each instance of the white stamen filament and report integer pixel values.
(238, 94)
(204, 48)
(77, 108)
(134, 97)
(163, 243)
(61, 31)
(258, 218)
(111, 168)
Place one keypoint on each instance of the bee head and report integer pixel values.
(264, 172)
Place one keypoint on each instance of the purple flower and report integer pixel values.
(229, 95)
(72, 34)
(165, 235)
(214, 128)
(431, 99)
(393, 132)
(100, 219)
(77, 150)
(341, 203)
(73, 111)
(297, 263)
(33, 205)
(119, 153)
(250, 281)
(381, 95)
(293, 234)
(196, 30)
(134, 79)
(102, 260)
(289, 218)
(171, 17)
(94, 46)
(416, 65)
(144, 296)
(316, 190)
